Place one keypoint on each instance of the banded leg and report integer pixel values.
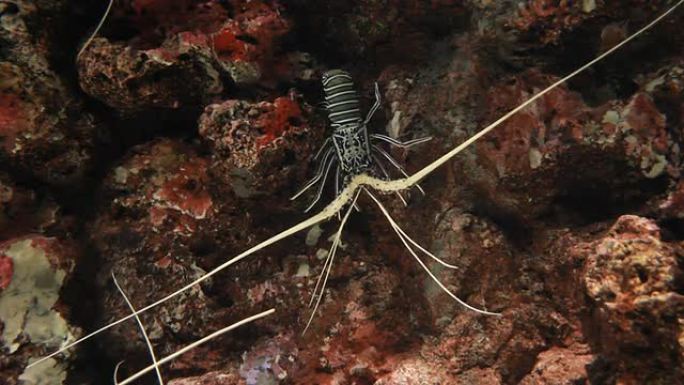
(337, 187)
(375, 106)
(322, 184)
(323, 147)
(398, 143)
(396, 165)
(338, 170)
(319, 173)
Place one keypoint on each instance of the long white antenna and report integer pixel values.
(142, 330)
(292, 230)
(329, 262)
(196, 344)
(401, 184)
(403, 237)
(97, 29)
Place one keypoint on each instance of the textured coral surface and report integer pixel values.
(175, 140)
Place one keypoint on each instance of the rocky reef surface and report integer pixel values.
(174, 141)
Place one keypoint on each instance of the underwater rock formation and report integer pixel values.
(176, 74)
(44, 129)
(248, 140)
(633, 279)
(174, 141)
(534, 153)
(185, 53)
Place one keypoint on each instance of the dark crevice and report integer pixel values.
(588, 202)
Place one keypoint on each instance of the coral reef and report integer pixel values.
(175, 140)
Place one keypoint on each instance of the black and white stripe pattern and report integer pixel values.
(350, 146)
(341, 99)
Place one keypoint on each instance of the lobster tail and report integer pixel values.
(341, 99)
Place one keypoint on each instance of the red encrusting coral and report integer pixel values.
(534, 151)
(45, 132)
(190, 43)
(186, 190)
(225, 42)
(285, 115)
(252, 35)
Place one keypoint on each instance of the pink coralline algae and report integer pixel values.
(247, 45)
(6, 271)
(177, 189)
(162, 187)
(562, 120)
(40, 127)
(184, 192)
(160, 228)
